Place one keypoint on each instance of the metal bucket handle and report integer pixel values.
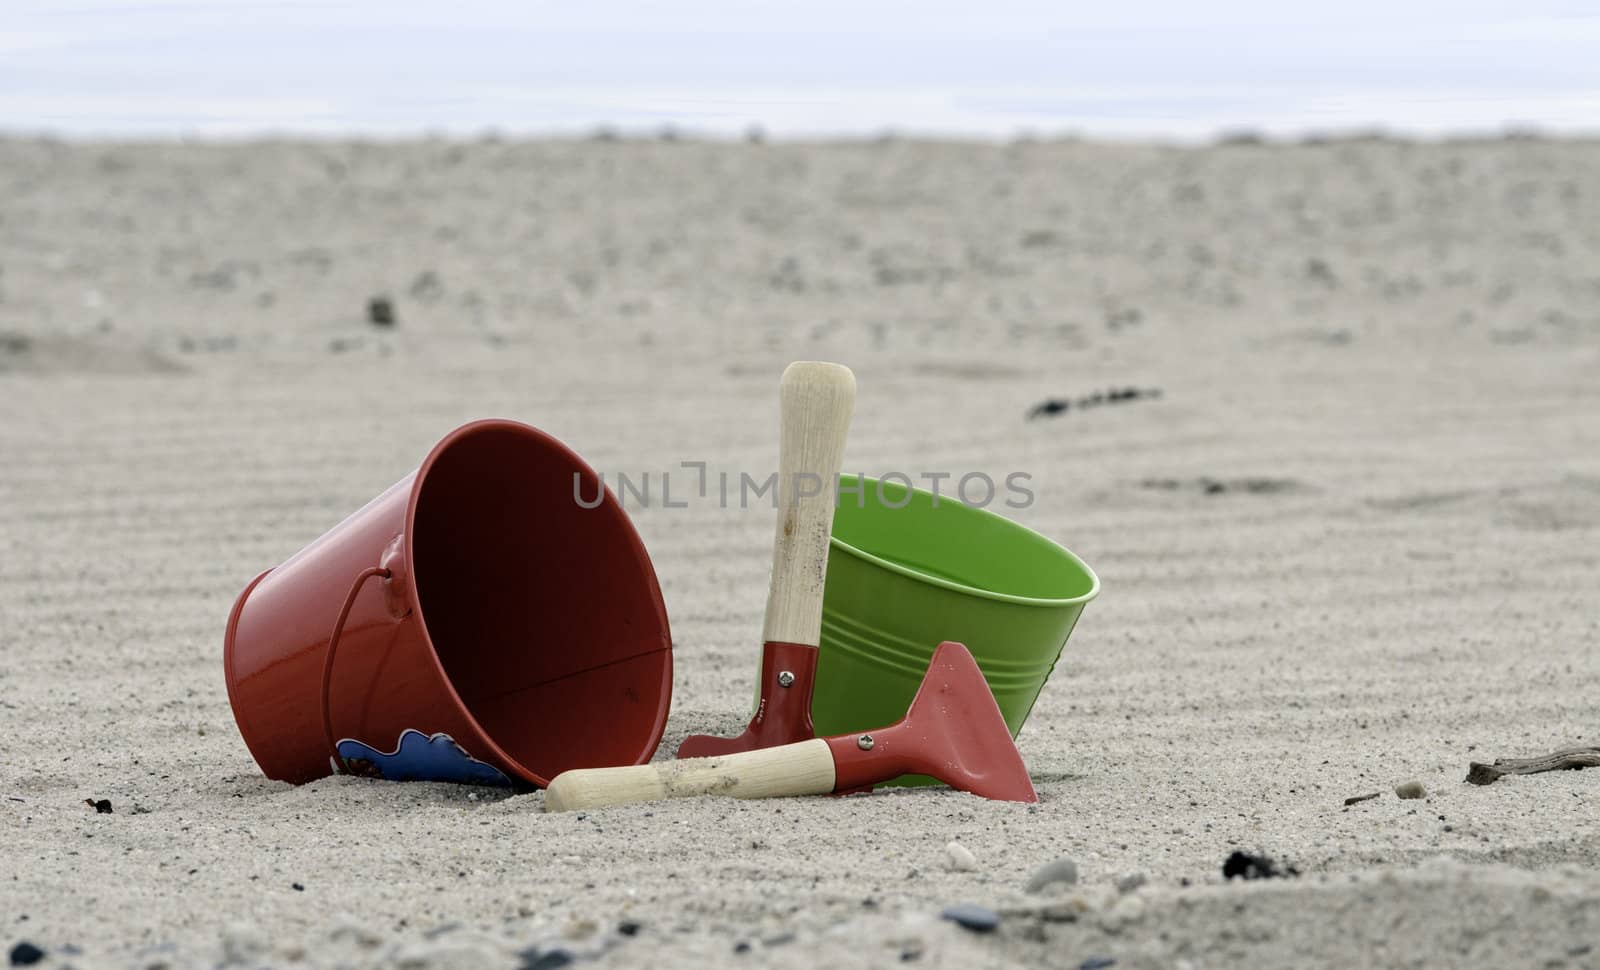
(393, 566)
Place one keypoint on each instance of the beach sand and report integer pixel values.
(1352, 543)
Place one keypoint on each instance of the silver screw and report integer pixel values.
(785, 678)
(864, 742)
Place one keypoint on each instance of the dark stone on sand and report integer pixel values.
(1054, 405)
(1097, 963)
(101, 805)
(741, 947)
(535, 959)
(25, 954)
(978, 919)
(380, 312)
(297, 887)
(628, 928)
(1358, 799)
(1247, 865)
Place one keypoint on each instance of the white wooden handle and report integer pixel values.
(802, 768)
(815, 400)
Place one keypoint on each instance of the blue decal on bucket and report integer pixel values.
(419, 757)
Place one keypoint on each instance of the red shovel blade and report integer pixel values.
(954, 731)
(788, 671)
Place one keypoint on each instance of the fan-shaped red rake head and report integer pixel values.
(954, 731)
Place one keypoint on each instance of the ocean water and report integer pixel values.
(226, 68)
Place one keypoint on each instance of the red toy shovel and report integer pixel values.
(815, 400)
(953, 731)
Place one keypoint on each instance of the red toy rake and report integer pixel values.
(953, 731)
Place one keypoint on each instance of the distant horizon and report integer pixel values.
(1231, 135)
(1141, 71)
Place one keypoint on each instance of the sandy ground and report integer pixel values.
(1353, 543)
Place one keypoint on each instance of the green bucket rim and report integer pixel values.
(908, 572)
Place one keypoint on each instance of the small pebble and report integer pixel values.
(1246, 865)
(380, 312)
(25, 954)
(535, 959)
(960, 857)
(1097, 963)
(297, 887)
(1063, 871)
(628, 928)
(978, 919)
(1357, 799)
(1411, 789)
(1131, 881)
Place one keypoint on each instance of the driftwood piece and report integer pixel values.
(1358, 799)
(1569, 759)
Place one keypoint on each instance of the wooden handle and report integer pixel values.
(815, 400)
(802, 768)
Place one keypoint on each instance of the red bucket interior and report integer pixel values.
(546, 616)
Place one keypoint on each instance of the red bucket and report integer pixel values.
(473, 623)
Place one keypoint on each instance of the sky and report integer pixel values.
(799, 69)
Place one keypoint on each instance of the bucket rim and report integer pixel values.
(229, 638)
(975, 591)
(636, 547)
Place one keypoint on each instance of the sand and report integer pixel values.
(1352, 543)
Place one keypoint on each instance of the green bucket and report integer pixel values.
(907, 570)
